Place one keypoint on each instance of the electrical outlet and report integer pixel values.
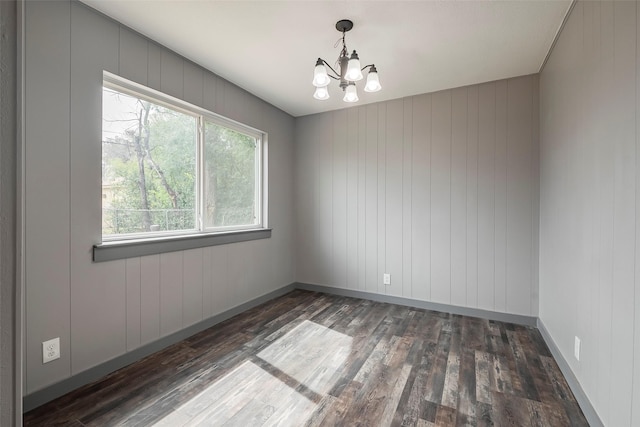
(386, 278)
(51, 350)
(576, 349)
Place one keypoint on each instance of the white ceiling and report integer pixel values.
(269, 48)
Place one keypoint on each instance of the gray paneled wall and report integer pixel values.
(589, 211)
(103, 310)
(439, 190)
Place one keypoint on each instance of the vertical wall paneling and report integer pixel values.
(236, 104)
(192, 287)
(315, 147)
(46, 181)
(171, 74)
(220, 96)
(133, 59)
(500, 200)
(281, 185)
(588, 321)
(352, 198)
(606, 215)
(237, 273)
(154, 69)
(420, 181)
(325, 195)
(421, 198)
(207, 284)
(239, 107)
(393, 196)
(102, 310)
(220, 291)
(624, 208)
(209, 85)
(171, 291)
(98, 291)
(259, 265)
(338, 266)
(519, 197)
(134, 320)
(149, 298)
(635, 402)
(362, 198)
(305, 196)
(371, 206)
(441, 197)
(486, 195)
(534, 167)
(381, 125)
(193, 82)
(302, 198)
(588, 247)
(472, 197)
(260, 269)
(459, 134)
(407, 212)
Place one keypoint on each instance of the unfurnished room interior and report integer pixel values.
(305, 213)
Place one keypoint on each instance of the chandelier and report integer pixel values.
(350, 71)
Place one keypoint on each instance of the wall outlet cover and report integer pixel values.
(51, 350)
(386, 278)
(576, 349)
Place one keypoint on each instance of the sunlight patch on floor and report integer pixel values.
(310, 356)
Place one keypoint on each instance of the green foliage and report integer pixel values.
(149, 170)
(230, 180)
(164, 143)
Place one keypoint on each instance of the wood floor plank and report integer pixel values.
(509, 410)
(322, 360)
(467, 388)
(391, 404)
(435, 380)
(484, 415)
(408, 407)
(483, 389)
(335, 413)
(522, 373)
(451, 386)
(446, 417)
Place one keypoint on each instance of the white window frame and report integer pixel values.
(116, 83)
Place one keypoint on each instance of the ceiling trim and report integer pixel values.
(557, 36)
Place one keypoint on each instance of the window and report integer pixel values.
(170, 168)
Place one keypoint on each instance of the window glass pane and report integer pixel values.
(148, 166)
(229, 177)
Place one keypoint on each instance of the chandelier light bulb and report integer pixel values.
(320, 76)
(373, 83)
(354, 73)
(321, 93)
(351, 94)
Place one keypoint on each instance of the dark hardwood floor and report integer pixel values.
(315, 359)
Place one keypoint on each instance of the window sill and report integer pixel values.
(122, 249)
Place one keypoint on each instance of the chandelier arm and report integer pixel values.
(331, 68)
(367, 66)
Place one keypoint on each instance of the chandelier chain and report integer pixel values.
(344, 51)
